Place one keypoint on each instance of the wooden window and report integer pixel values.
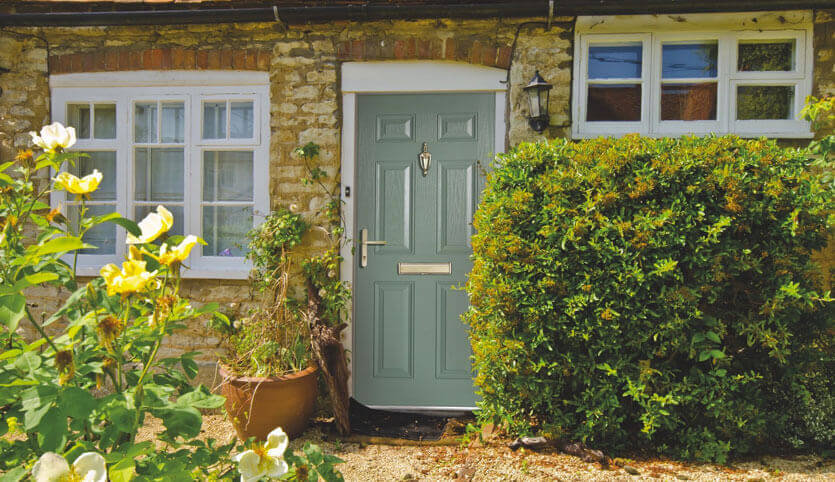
(200, 149)
(675, 83)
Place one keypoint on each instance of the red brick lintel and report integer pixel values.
(415, 48)
(166, 58)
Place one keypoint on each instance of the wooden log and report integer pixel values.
(330, 356)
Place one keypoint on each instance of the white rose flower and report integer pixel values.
(264, 459)
(88, 467)
(54, 136)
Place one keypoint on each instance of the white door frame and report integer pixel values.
(391, 77)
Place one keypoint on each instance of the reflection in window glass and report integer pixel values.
(225, 228)
(614, 102)
(227, 176)
(241, 120)
(105, 121)
(78, 116)
(214, 120)
(158, 174)
(105, 162)
(688, 102)
(763, 102)
(173, 123)
(145, 122)
(615, 61)
(102, 236)
(770, 56)
(682, 61)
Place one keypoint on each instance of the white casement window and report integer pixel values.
(668, 83)
(196, 143)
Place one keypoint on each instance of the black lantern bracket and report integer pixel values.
(538, 91)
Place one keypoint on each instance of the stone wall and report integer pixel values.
(303, 65)
(823, 84)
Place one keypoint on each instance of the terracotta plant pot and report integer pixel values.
(257, 405)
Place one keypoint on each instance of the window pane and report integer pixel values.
(145, 119)
(241, 120)
(105, 162)
(772, 56)
(688, 101)
(103, 235)
(78, 116)
(681, 61)
(614, 102)
(227, 176)
(177, 211)
(225, 228)
(105, 121)
(158, 174)
(764, 102)
(615, 61)
(173, 122)
(214, 120)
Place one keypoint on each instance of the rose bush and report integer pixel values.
(74, 398)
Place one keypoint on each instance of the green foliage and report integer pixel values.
(91, 385)
(107, 343)
(274, 339)
(271, 242)
(650, 292)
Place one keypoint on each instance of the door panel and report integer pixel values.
(452, 361)
(394, 330)
(394, 206)
(410, 346)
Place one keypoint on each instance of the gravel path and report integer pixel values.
(498, 463)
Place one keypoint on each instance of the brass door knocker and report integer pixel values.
(425, 158)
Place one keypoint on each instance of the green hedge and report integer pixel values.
(651, 292)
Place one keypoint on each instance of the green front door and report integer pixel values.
(411, 348)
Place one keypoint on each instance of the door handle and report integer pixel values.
(364, 243)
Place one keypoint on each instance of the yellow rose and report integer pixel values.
(53, 137)
(179, 253)
(74, 185)
(130, 279)
(153, 226)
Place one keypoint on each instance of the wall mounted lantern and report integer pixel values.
(538, 92)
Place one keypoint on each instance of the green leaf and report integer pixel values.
(14, 475)
(713, 337)
(12, 309)
(52, 431)
(182, 422)
(38, 278)
(200, 398)
(189, 366)
(28, 362)
(117, 218)
(717, 354)
(704, 355)
(77, 402)
(61, 245)
(123, 471)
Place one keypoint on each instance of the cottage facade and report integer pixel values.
(199, 105)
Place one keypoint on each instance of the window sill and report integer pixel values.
(228, 274)
(744, 135)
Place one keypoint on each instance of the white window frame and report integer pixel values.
(192, 88)
(728, 39)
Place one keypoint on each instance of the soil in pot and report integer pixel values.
(257, 405)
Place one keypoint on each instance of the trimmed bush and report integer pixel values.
(650, 292)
